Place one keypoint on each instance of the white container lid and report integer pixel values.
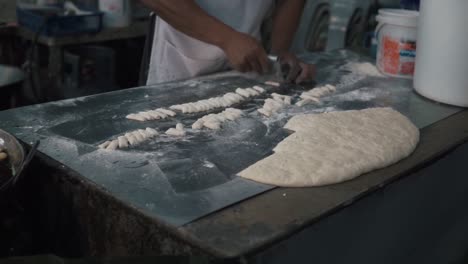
(398, 17)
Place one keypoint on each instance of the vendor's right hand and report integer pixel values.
(246, 54)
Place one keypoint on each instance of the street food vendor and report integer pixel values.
(197, 37)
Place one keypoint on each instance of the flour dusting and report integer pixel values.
(363, 94)
(363, 68)
(358, 71)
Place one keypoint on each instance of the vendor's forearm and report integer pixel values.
(285, 22)
(187, 17)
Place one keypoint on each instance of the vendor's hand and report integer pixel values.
(246, 54)
(299, 71)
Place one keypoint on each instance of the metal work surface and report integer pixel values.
(180, 180)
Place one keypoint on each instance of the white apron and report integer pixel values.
(175, 55)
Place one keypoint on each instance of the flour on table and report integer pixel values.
(358, 71)
(132, 138)
(272, 83)
(227, 100)
(363, 68)
(313, 96)
(333, 147)
(214, 121)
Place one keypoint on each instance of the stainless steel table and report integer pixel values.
(140, 195)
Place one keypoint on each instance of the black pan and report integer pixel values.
(12, 165)
(11, 80)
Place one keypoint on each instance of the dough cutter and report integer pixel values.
(279, 72)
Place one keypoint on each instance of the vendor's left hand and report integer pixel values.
(299, 71)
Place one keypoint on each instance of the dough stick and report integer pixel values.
(259, 89)
(252, 91)
(161, 113)
(139, 138)
(143, 134)
(264, 112)
(230, 116)
(113, 145)
(166, 111)
(331, 88)
(243, 92)
(105, 144)
(175, 132)
(176, 107)
(309, 97)
(151, 132)
(131, 139)
(198, 124)
(205, 105)
(212, 124)
(154, 115)
(136, 117)
(229, 99)
(123, 142)
(307, 101)
(238, 97)
(272, 83)
(145, 115)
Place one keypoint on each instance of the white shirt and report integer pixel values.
(175, 55)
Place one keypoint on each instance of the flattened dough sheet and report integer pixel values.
(334, 147)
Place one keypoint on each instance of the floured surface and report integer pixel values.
(334, 147)
(181, 178)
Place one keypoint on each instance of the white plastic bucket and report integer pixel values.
(117, 13)
(442, 61)
(396, 37)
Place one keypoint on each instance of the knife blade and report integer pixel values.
(276, 69)
(279, 72)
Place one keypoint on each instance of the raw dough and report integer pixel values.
(129, 139)
(271, 106)
(136, 117)
(272, 83)
(225, 100)
(334, 147)
(166, 111)
(259, 89)
(214, 121)
(178, 131)
(123, 142)
(314, 95)
(243, 92)
(286, 99)
(113, 145)
(104, 145)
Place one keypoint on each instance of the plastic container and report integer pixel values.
(117, 13)
(442, 61)
(52, 23)
(396, 42)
